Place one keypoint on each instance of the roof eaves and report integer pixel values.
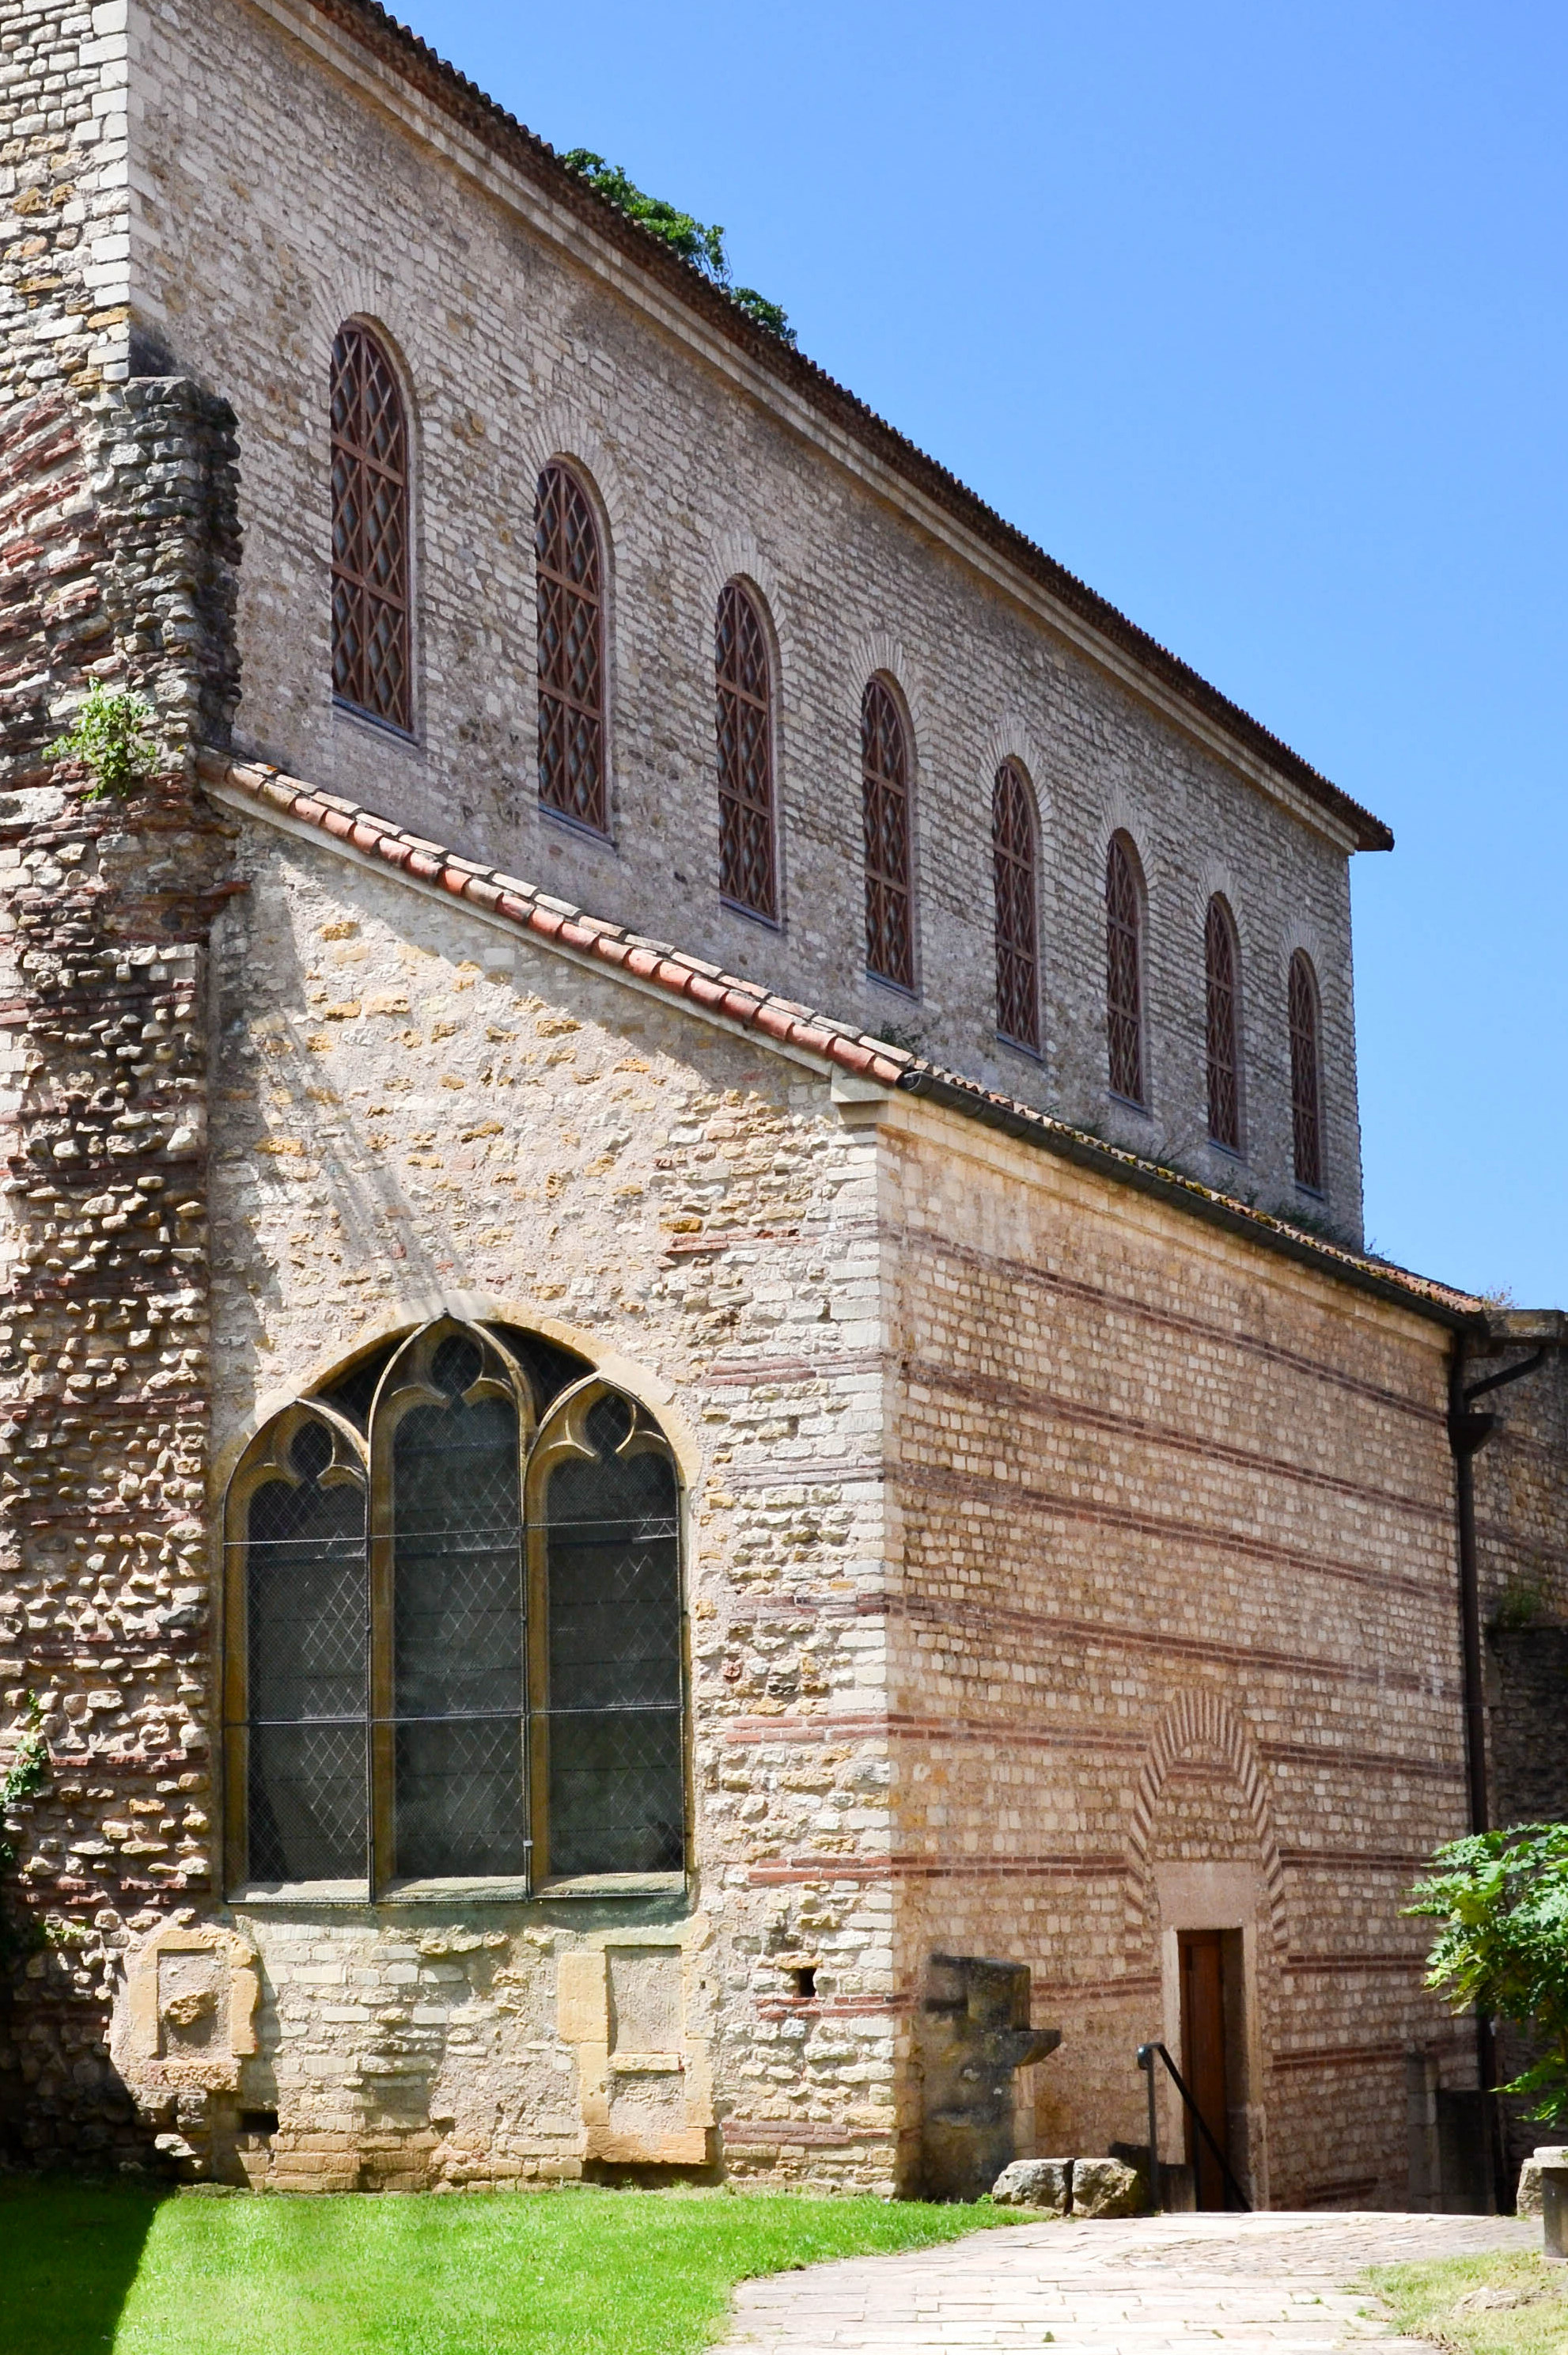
(802, 1031)
(397, 47)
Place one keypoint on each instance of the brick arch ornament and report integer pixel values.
(1202, 1720)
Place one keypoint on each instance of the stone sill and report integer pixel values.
(280, 1896)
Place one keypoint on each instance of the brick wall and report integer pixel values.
(282, 183)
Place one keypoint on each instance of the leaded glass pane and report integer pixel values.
(616, 1783)
(457, 1629)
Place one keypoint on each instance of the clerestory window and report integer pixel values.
(454, 1628)
(1014, 859)
(743, 680)
(1305, 1111)
(569, 573)
(1223, 1028)
(884, 811)
(371, 667)
(1124, 971)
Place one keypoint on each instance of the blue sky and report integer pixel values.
(1254, 316)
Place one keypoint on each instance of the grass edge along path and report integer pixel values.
(110, 2269)
(1511, 2302)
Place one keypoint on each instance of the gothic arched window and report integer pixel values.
(1124, 971)
(885, 800)
(1014, 858)
(371, 663)
(1306, 1118)
(569, 574)
(744, 683)
(454, 1627)
(1222, 964)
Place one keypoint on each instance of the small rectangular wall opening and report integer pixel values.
(1213, 2050)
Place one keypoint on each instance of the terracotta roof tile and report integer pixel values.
(377, 840)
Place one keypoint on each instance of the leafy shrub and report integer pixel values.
(109, 735)
(1502, 1900)
(694, 243)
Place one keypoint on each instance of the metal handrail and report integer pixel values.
(1146, 2053)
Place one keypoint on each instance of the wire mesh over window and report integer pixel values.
(1305, 1110)
(617, 1799)
(482, 1678)
(884, 788)
(1015, 859)
(747, 865)
(1124, 973)
(371, 666)
(306, 1627)
(457, 1629)
(569, 572)
(1220, 961)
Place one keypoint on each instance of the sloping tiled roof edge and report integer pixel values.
(359, 834)
(457, 96)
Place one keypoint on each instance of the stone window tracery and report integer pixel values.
(569, 572)
(1123, 972)
(454, 1628)
(744, 712)
(1014, 861)
(884, 801)
(1221, 965)
(371, 666)
(1306, 1120)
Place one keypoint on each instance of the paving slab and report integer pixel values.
(1278, 2283)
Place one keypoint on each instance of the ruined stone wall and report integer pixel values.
(412, 1109)
(116, 546)
(1174, 1645)
(283, 184)
(64, 197)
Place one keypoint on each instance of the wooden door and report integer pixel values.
(1204, 2056)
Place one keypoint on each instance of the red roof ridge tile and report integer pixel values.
(803, 1029)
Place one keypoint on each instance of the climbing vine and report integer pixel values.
(27, 1775)
(690, 238)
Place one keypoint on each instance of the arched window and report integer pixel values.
(1123, 972)
(744, 680)
(371, 666)
(1221, 964)
(1014, 858)
(1306, 1121)
(454, 1627)
(885, 800)
(569, 575)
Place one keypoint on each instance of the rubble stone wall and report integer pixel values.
(116, 541)
(1175, 1646)
(285, 182)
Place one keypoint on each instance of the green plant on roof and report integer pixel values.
(694, 243)
(1502, 1900)
(111, 736)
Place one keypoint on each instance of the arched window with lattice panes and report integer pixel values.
(569, 577)
(1015, 856)
(1222, 979)
(749, 860)
(454, 1628)
(372, 662)
(1124, 971)
(884, 809)
(1306, 1074)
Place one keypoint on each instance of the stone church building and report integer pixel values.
(687, 1341)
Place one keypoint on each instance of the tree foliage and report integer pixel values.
(1502, 1900)
(690, 238)
(111, 736)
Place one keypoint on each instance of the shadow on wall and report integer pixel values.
(69, 2252)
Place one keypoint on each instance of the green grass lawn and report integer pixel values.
(89, 2267)
(1512, 2305)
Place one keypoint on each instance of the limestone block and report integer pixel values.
(1104, 2187)
(1527, 2199)
(186, 2019)
(1043, 2183)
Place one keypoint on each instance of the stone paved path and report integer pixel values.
(1278, 2283)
